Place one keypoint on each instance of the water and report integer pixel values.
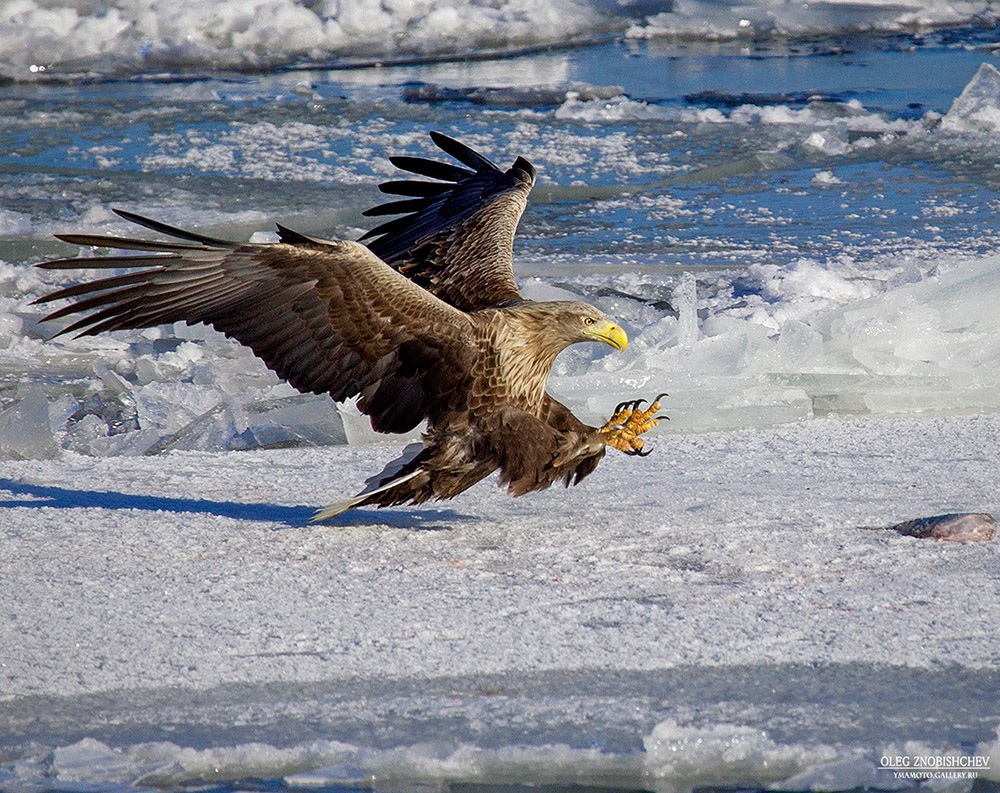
(790, 176)
(780, 213)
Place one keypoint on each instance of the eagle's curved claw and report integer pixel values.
(628, 422)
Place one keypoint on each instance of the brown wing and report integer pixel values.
(455, 235)
(335, 320)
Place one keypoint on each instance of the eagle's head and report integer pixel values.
(557, 324)
(597, 327)
(582, 322)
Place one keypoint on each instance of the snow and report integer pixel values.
(704, 19)
(190, 572)
(63, 39)
(52, 39)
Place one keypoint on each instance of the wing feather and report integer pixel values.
(329, 319)
(174, 231)
(83, 263)
(434, 169)
(120, 243)
(397, 208)
(411, 187)
(476, 161)
(455, 236)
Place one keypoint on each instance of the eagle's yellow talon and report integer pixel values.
(628, 422)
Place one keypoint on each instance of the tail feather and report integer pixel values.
(441, 467)
(340, 507)
(396, 472)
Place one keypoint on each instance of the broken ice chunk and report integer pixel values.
(685, 299)
(25, 429)
(977, 108)
(300, 420)
(11, 327)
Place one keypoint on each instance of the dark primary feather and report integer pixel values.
(331, 318)
(423, 166)
(405, 224)
(462, 153)
(297, 238)
(455, 236)
(200, 242)
(412, 187)
(174, 231)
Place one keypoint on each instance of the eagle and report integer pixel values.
(420, 319)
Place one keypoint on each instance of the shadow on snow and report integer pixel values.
(22, 494)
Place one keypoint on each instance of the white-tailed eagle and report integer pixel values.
(421, 318)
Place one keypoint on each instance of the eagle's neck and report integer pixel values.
(524, 349)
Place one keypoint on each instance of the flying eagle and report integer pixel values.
(421, 318)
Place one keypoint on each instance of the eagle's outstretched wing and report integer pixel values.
(335, 320)
(397, 320)
(455, 235)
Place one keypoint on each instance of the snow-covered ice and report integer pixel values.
(65, 39)
(186, 589)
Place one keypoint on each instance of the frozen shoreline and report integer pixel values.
(173, 595)
(66, 41)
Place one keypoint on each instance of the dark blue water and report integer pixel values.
(677, 171)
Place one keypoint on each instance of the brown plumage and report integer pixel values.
(421, 319)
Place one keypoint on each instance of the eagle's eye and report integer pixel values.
(589, 320)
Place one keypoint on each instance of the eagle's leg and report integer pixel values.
(629, 421)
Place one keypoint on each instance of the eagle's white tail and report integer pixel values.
(389, 477)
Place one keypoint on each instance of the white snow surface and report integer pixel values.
(189, 586)
(46, 38)
(135, 548)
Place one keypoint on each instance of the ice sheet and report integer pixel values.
(707, 614)
(799, 342)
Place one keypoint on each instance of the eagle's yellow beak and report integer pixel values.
(609, 333)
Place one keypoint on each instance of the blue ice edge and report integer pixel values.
(785, 726)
